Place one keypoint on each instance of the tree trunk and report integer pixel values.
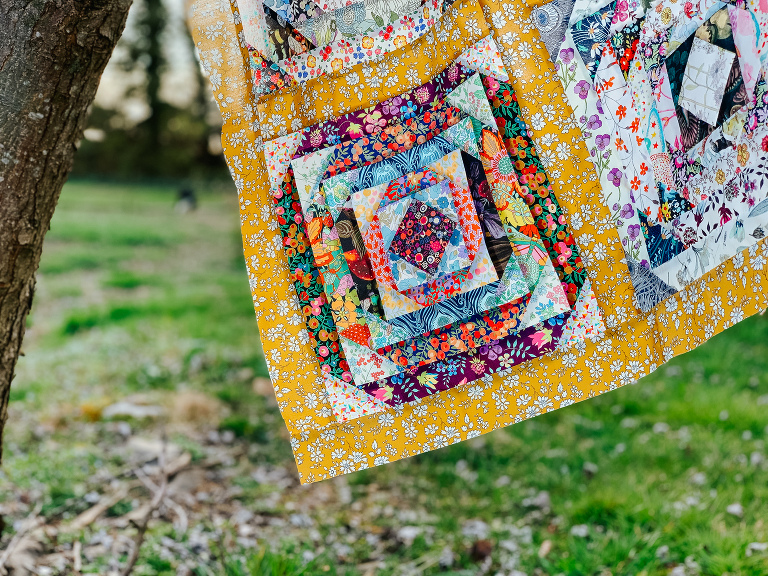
(52, 54)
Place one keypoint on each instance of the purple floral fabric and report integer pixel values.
(466, 367)
(422, 236)
(370, 121)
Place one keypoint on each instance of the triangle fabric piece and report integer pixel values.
(585, 322)
(513, 283)
(457, 258)
(548, 299)
(307, 171)
(405, 274)
(365, 364)
(552, 21)
(390, 218)
(470, 97)
(528, 253)
(357, 333)
(278, 154)
(649, 288)
(337, 195)
(348, 402)
(462, 135)
(484, 57)
(590, 34)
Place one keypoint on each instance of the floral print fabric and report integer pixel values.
(397, 277)
(703, 84)
(373, 120)
(422, 235)
(590, 33)
(309, 291)
(376, 174)
(354, 19)
(324, 446)
(535, 188)
(344, 52)
(665, 110)
(324, 98)
(370, 204)
(482, 361)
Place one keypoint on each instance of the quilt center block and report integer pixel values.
(422, 236)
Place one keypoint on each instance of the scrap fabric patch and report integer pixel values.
(458, 215)
(672, 100)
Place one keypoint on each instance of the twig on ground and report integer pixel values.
(77, 560)
(180, 514)
(92, 514)
(143, 523)
(168, 501)
(31, 522)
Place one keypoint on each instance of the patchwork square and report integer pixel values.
(371, 203)
(371, 183)
(528, 283)
(422, 235)
(405, 273)
(706, 75)
(479, 275)
(673, 128)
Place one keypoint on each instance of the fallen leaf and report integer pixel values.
(546, 548)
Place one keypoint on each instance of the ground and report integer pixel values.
(143, 354)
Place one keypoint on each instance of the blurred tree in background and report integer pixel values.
(156, 138)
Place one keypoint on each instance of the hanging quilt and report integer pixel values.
(459, 215)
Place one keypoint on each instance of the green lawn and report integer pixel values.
(140, 305)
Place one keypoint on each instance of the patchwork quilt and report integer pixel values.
(459, 215)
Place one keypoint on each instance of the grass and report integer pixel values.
(135, 299)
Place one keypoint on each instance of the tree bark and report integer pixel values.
(52, 54)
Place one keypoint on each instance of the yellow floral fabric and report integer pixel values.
(635, 344)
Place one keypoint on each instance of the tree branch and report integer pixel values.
(143, 523)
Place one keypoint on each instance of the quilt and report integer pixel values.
(459, 215)
(671, 99)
